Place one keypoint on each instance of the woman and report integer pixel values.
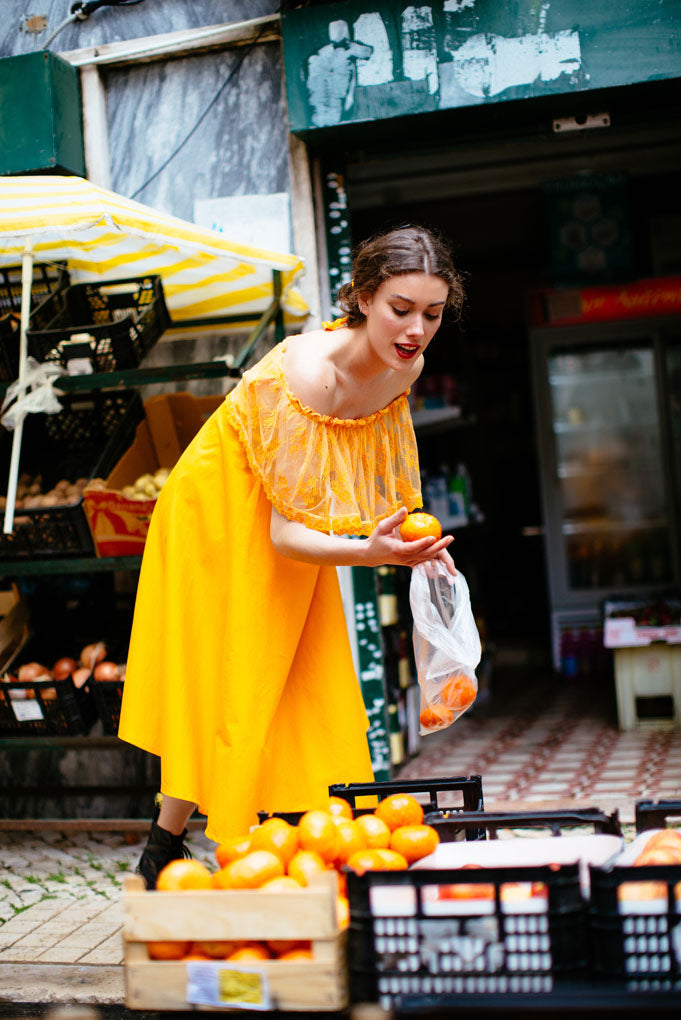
(240, 674)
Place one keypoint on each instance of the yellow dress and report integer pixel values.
(240, 674)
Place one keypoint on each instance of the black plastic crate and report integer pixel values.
(449, 825)
(470, 789)
(108, 696)
(123, 317)
(46, 708)
(83, 440)
(639, 940)
(416, 941)
(47, 281)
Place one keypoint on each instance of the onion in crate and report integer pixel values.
(106, 671)
(81, 676)
(63, 667)
(92, 654)
(33, 671)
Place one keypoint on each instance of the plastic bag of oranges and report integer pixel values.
(446, 644)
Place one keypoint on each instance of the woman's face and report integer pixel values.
(403, 315)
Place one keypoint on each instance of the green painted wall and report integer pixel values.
(353, 62)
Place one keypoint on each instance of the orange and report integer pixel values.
(251, 951)
(376, 831)
(253, 870)
(458, 692)
(391, 860)
(351, 837)
(317, 832)
(420, 525)
(304, 864)
(343, 911)
(232, 849)
(218, 950)
(297, 954)
(670, 838)
(414, 841)
(277, 836)
(183, 874)
(399, 809)
(374, 860)
(197, 956)
(436, 717)
(168, 950)
(220, 879)
(279, 946)
(281, 883)
(340, 808)
(466, 891)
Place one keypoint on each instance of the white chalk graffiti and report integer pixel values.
(331, 75)
(486, 65)
(378, 68)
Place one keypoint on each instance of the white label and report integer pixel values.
(227, 985)
(25, 710)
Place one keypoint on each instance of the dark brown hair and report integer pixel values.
(409, 249)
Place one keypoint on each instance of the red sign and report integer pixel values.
(641, 299)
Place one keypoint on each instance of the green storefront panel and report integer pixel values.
(357, 62)
(41, 125)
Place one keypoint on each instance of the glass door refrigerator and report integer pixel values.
(608, 422)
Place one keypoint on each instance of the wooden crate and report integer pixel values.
(316, 985)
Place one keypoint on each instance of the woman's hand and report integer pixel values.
(386, 546)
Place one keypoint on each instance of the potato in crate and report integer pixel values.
(635, 910)
(185, 949)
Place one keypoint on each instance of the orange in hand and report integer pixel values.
(459, 692)
(420, 525)
(435, 717)
(399, 809)
(183, 874)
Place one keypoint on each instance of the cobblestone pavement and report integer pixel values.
(61, 913)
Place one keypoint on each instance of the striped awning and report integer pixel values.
(103, 236)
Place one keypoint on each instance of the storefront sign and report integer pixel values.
(360, 61)
(637, 300)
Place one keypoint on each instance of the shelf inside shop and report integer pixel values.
(71, 743)
(435, 419)
(599, 377)
(91, 564)
(575, 471)
(610, 524)
(602, 426)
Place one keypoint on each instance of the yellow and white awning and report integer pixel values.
(103, 236)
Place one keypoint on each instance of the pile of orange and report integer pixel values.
(277, 856)
(664, 847)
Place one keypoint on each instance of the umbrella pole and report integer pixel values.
(26, 288)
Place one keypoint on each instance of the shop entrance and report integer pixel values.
(490, 202)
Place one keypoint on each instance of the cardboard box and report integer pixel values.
(119, 525)
(14, 629)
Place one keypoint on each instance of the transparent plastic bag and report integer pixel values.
(446, 644)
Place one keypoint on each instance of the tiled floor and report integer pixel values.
(540, 741)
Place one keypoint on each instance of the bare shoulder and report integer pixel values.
(309, 372)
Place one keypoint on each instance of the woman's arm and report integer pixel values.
(384, 545)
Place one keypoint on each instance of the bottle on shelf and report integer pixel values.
(396, 736)
(388, 610)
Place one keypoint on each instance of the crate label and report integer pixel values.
(217, 984)
(26, 710)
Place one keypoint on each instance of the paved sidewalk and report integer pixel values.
(61, 913)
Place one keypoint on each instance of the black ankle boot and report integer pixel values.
(162, 847)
